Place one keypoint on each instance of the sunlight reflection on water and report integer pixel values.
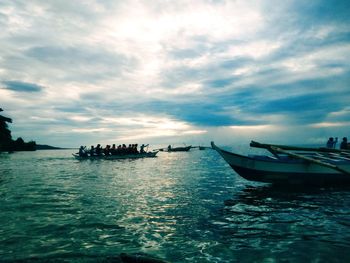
(182, 207)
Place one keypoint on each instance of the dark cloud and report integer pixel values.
(302, 109)
(294, 104)
(219, 83)
(201, 114)
(319, 12)
(80, 64)
(22, 86)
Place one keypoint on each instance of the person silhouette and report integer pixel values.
(344, 144)
(331, 142)
(142, 148)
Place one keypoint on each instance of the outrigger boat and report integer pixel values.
(118, 156)
(291, 165)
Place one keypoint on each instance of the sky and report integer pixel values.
(173, 72)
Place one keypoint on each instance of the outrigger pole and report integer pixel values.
(311, 160)
(296, 148)
(284, 149)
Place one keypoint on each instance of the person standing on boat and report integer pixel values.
(344, 144)
(331, 142)
(82, 151)
(142, 148)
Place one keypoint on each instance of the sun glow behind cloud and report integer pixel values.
(142, 127)
(145, 23)
(131, 70)
(330, 124)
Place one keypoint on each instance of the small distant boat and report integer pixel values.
(179, 149)
(291, 165)
(201, 148)
(115, 157)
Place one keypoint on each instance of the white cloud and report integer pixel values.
(330, 124)
(91, 130)
(255, 49)
(105, 59)
(248, 128)
(314, 61)
(345, 112)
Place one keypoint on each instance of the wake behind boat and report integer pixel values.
(291, 165)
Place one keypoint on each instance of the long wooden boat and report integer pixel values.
(309, 167)
(114, 157)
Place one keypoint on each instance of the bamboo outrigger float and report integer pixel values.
(291, 165)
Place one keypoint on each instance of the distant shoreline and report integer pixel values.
(40, 147)
(49, 147)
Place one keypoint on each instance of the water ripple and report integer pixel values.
(182, 207)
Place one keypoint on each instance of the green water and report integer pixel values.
(180, 207)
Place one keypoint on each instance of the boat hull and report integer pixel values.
(289, 171)
(180, 149)
(292, 178)
(117, 157)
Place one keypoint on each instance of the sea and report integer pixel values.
(177, 207)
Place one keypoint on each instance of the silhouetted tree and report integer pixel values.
(5, 133)
(6, 142)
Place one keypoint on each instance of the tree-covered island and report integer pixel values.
(7, 144)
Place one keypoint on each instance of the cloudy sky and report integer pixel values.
(175, 71)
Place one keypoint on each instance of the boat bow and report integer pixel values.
(290, 168)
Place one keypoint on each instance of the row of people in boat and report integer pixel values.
(122, 149)
(332, 142)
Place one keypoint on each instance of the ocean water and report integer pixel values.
(179, 207)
